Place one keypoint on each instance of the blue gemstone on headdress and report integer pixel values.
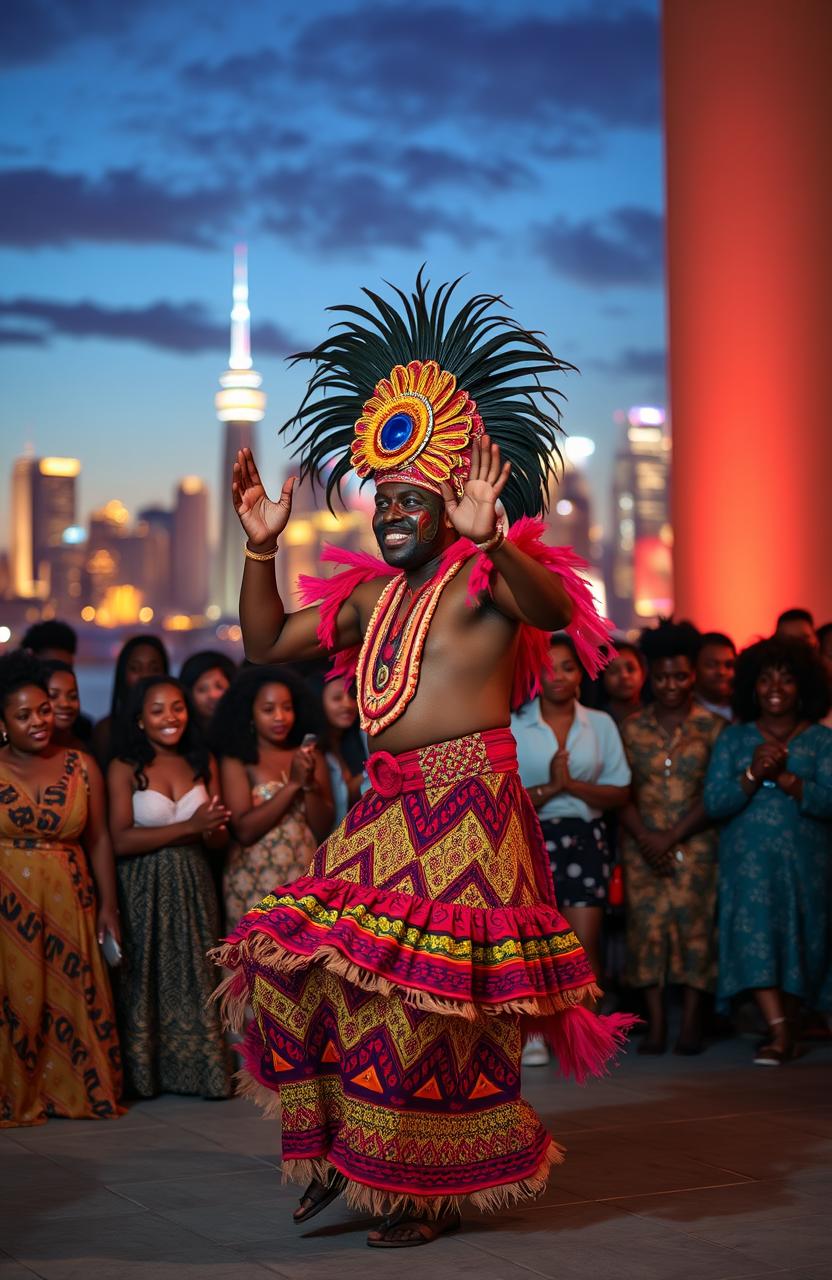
(396, 432)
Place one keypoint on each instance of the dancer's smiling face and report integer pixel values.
(410, 525)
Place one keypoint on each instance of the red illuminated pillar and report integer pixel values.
(748, 104)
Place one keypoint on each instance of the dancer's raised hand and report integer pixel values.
(262, 519)
(474, 516)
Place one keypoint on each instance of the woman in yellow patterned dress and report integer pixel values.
(278, 791)
(668, 843)
(59, 1053)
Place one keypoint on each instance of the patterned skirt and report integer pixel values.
(393, 986)
(579, 857)
(59, 1053)
(171, 1038)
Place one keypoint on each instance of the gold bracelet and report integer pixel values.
(258, 555)
(495, 541)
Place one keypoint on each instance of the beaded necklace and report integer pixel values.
(390, 660)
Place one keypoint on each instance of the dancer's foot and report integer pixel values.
(318, 1195)
(535, 1053)
(404, 1230)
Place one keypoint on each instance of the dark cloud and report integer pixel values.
(184, 328)
(434, 166)
(11, 337)
(39, 206)
(442, 60)
(356, 210)
(650, 362)
(34, 30)
(238, 73)
(626, 247)
(646, 364)
(236, 142)
(584, 144)
(416, 168)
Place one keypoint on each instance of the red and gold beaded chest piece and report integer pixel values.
(390, 661)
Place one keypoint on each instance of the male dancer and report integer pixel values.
(393, 985)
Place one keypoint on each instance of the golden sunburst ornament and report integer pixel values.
(416, 422)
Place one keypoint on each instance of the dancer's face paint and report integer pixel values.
(408, 524)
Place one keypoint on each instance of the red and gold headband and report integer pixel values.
(417, 429)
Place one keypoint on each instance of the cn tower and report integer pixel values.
(240, 404)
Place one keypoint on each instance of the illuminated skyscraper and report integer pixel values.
(23, 544)
(43, 506)
(107, 546)
(189, 547)
(570, 504)
(570, 513)
(240, 404)
(314, 526)
(157, 524)
(641, 585)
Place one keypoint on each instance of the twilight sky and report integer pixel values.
(346, 141)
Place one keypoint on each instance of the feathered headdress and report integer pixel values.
(401, 396)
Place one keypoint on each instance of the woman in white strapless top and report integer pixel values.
(162, 818)
(154, 809)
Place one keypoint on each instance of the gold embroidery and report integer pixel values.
(386, 685)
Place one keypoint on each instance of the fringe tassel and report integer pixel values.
(246, 1086)
(304, 1171)
(377, 1202)
(584, 1042)
(262, 949)
(232, 997)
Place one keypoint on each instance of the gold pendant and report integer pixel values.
(382, 676)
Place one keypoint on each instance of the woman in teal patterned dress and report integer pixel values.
(770, 781)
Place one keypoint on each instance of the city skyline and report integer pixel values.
(114, 570)
(144, 143)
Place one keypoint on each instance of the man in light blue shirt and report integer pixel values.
(596, 755)
(571, 761)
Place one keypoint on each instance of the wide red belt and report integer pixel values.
(443, 763)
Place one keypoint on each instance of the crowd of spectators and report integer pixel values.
(718, 824)
(685, 801)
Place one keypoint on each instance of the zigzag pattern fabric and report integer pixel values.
(392, 987)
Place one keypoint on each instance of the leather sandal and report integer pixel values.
(426, 1230)
(320, 1194)
(768, 1055)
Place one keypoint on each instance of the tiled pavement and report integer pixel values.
(677, 1169)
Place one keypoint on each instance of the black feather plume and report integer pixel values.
(501, 365)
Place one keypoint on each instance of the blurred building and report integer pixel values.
(570, 517)
(313, 526)
(44, 498)
(640, 584)
(190, 558)
(239, 404)
(157, 524)
(23, 539)
(107, 557)
(67, 576)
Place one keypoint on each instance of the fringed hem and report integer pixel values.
(263, 949)
(378, 1202)
(248, 1086)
